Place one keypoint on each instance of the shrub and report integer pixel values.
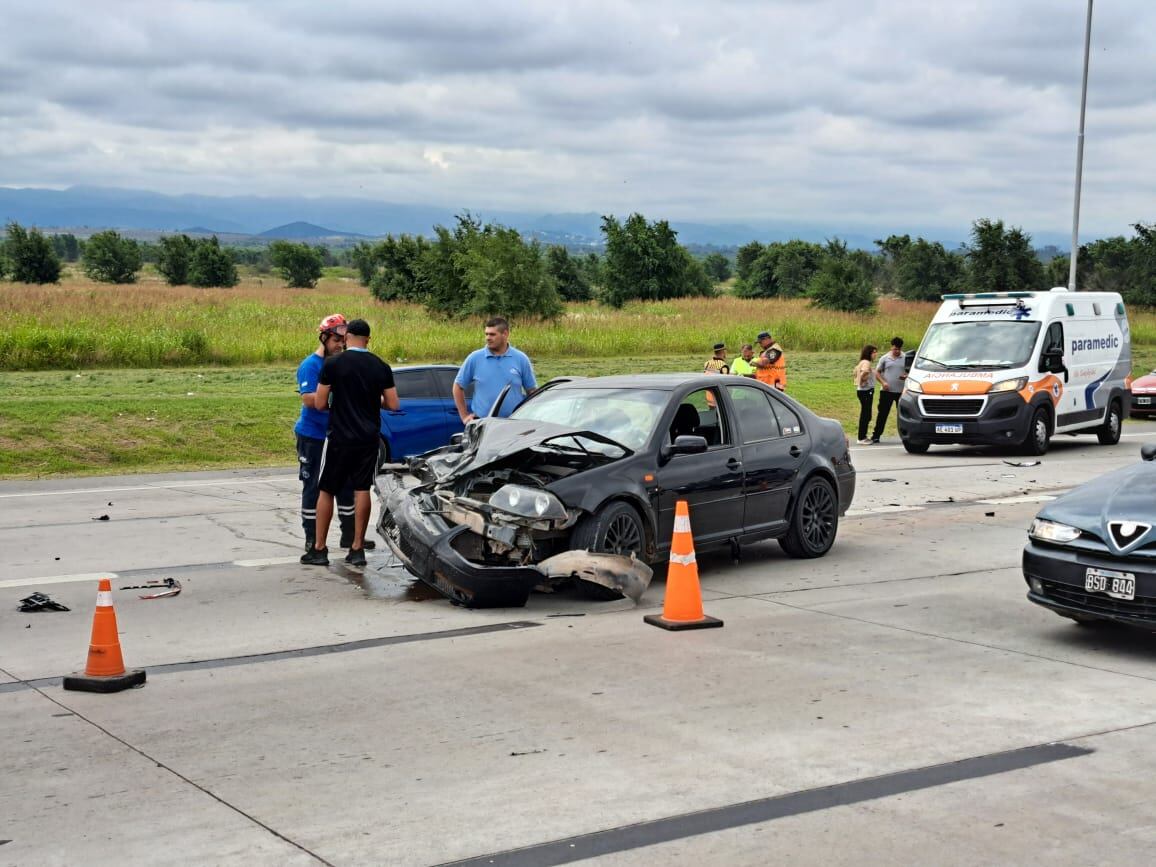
(109, 258)
(31, 256)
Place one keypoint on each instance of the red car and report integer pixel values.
(1144, 395)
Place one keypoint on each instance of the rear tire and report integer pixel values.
(1109, 433)
(614, 529)
(382, 454)
(815, 521)
(1039, 433)
(916, 447)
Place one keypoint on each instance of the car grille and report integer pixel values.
(1141, 608)
(952, 407)
(389, 525)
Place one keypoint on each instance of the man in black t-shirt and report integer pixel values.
(361, 385)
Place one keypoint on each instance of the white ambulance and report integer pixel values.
(1014, 368)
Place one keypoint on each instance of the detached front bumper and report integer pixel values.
(427, 546)
(1062, 574)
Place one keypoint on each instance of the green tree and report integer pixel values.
(31, 256)
(567, 274)
(364, 259)
(796, 262)
(745, 259)
(1056, 269)
(1143, 273)
(439, 273)
(718, 267)
(892, 249)
(644, 261)
(395, 268)
(1001, 260)
(174, 258)
(299, 264)
(110, 258)
(591, 266)
(924, 271)
(67, 246)
(839, 283)
(507, 276)
(211, 264)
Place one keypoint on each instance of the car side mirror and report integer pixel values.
(1148, 451)
(1052, 361)
(687, 445)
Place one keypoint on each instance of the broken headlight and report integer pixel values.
(527, 502)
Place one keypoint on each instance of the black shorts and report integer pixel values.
(342, 463)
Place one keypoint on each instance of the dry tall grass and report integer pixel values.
(82, 324)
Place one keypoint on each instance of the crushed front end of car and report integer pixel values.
(477, 520)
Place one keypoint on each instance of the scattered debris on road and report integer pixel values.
(41, 602)
(169, 587)
(101, 518)
(883, 480)
(1023, 463)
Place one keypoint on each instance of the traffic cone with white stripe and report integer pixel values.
(682, 607)
(105, 671)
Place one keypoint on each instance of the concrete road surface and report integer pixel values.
(897, 701)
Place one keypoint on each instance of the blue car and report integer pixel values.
(427, 418)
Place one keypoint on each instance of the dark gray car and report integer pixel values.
(1091, 553)
(597, 466)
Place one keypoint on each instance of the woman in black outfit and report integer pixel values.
(865, 389)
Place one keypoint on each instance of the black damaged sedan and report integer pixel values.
(1091, 553)
(580, 483)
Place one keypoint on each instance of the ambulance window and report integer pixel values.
(1096, 309)
(1055, 338)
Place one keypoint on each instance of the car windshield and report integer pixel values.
(977, 345)
(627, 416)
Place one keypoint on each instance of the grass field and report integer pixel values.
(146, 378)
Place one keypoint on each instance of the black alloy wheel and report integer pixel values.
(815, 521)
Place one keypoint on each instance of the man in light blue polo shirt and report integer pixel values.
(491, 369)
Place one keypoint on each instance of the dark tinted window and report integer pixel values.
(789, 420)
(756, 419)
(414, 383)
(1055, 338)
(444, 377)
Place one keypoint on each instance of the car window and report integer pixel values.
(789, 420)
(699, 414)
(414, 383)
(625, 415)
(756, 418)
(444, 380)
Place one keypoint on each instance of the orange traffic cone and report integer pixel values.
(682, 607)
(105, 670)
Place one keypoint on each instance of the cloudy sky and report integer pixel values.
(896, 113)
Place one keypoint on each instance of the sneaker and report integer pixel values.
(355, 557)
(874, 441)
(347, 542)
(315, 557)
(865, 442)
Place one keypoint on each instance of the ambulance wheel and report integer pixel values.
(1039, 433)
(1109, 432)
(916, 447)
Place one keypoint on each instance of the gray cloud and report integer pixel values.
(832, 111)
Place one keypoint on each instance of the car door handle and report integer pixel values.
(796, 451)
(396, 411)
(734, 464)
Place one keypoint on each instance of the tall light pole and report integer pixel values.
(1080, 155)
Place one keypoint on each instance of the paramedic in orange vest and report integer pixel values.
(770, 364)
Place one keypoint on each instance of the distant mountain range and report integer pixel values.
(83, 209)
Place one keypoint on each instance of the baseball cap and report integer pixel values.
(764, 335)
(719, 346)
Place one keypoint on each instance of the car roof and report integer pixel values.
(661, 381)
(424, 367)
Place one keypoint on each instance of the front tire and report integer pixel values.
(615, 529)
(814, 522)
(1109, 433)
(1039, 433)
(916, 447)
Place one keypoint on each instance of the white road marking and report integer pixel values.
(881, 510)
(158, 487)
(267, 561)
(1011, 501)
(58, 579)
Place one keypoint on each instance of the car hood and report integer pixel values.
(491, 441)
(1148, 380)
(1105, 505)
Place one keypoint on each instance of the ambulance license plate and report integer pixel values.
(1118, 585)
(1142, 401)
(949, 428)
